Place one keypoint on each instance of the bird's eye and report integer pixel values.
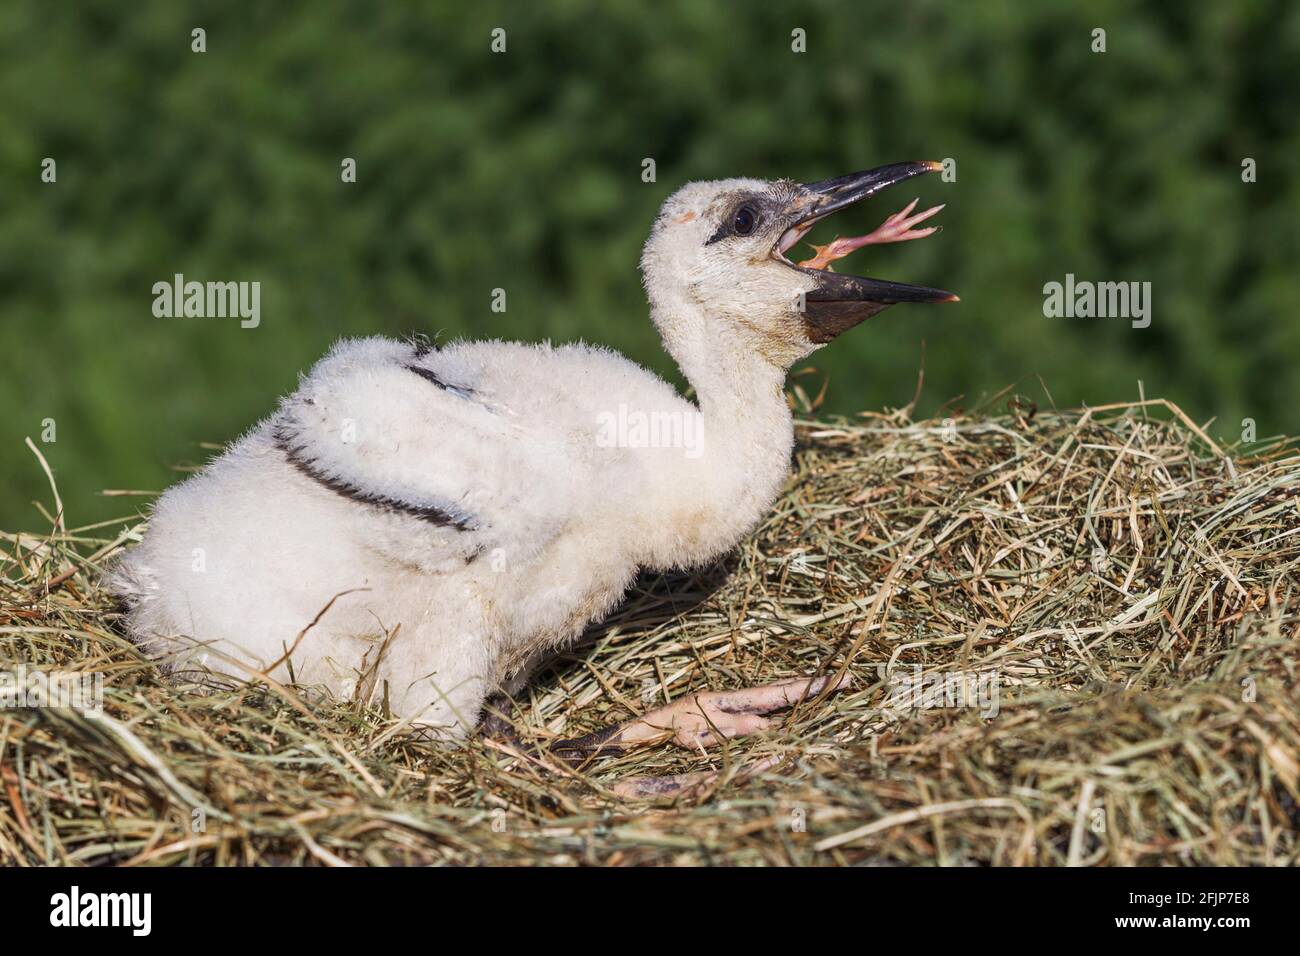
(744, 221)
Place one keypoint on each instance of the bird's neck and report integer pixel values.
(721, 492)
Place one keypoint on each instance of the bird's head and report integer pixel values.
(718, 277)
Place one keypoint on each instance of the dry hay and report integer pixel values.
(1132, 587)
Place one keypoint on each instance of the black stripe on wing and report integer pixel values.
(462, 391)
(296, 456)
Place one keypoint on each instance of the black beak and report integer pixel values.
(839, 302)
(831, 194)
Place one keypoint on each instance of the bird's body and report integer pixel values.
(420, 525)
(533, 520)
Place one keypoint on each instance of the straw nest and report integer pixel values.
(1126, 588)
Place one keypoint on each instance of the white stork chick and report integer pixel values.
(437, 521)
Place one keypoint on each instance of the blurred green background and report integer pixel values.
(523, 171)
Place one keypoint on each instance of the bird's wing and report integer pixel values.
(384, 425)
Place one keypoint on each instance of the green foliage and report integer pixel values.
(522, 171)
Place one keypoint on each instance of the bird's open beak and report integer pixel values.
(838, 302)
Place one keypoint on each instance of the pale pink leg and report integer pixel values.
(705, 719)
(897, 228)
